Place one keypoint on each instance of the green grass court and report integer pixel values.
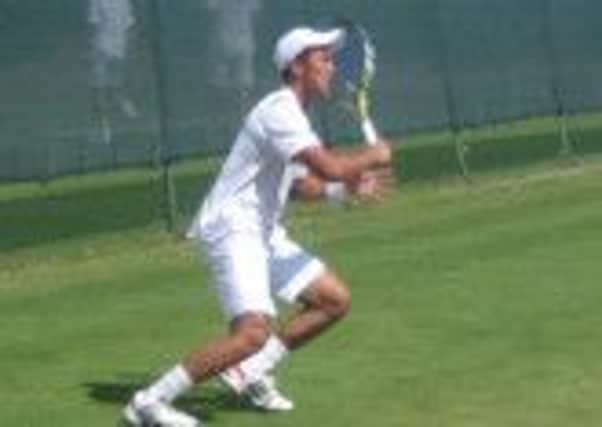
(475, 304)
(476, 285)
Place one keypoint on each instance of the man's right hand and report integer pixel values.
(382, 153)
(345, 165)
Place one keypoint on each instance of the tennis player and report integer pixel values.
(238, 228)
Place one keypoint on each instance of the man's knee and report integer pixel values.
(250, 332)
(339, 302)
(329, 294)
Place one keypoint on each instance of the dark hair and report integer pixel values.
(286, 75)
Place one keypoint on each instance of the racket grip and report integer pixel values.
(369, 131)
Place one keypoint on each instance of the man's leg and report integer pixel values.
(296, 276)
(325, 300)
(248, 334)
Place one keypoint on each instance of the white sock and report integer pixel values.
(265, 359)
(172, 384)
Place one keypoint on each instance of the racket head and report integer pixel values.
(355, 57)
(354, 62)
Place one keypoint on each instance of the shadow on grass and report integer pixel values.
(204, 403)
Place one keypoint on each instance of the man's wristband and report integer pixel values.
(336, 191)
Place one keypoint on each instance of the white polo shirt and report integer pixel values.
(252, 188)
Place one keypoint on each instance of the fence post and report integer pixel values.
(450, 106)
(557, 89)
(162, 153)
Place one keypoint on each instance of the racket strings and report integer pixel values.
(355, 66)
(354, 60)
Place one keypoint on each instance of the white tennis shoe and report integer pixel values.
(262, 393)
(144, 412)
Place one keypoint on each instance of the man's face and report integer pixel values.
(314, 70)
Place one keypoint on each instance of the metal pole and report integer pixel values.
(163, 157)
(555, 81)
(450, 104)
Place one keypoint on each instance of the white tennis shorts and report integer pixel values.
(250, 273)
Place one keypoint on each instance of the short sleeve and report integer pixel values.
(287, 129)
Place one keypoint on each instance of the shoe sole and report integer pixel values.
(131, 418)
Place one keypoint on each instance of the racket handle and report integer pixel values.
(369, 131)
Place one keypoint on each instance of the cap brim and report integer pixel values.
(332, 38)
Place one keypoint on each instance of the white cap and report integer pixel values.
(296, 41)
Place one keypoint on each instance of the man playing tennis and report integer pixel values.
(238, 228)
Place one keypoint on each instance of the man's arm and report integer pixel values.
(373, 184)
(309, 187)
(344, 166)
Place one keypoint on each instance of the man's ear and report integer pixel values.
(296, 68)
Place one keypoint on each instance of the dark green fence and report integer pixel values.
(191, 68)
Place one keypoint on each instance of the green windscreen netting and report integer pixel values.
(101, 84)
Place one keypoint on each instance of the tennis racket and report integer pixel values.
(355, 62)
